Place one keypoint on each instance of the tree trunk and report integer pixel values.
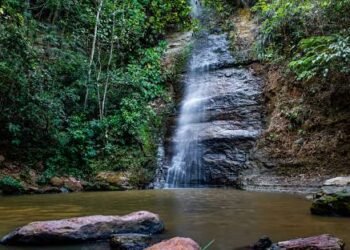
(92, 55)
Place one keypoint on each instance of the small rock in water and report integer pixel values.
(336, 204)
(334, 198)
(130, 241)
(263, 243)
(228, 74)
(176, 243)
(321, 242)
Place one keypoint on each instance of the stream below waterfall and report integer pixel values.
(230, 217)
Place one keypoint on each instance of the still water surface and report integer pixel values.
(232, 218)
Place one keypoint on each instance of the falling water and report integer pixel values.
(212, 89)
(186, 166)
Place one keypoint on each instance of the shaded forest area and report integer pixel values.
(80, 81)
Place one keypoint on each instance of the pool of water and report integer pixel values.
(230, 217)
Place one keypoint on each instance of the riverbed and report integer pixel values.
(230, 217)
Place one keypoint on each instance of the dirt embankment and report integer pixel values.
(307, 132)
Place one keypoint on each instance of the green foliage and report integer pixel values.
(313, 35)
(77, 105)
(10, 185)
(321, 55)
(296, 116)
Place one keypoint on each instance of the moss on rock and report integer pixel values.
(337, 204)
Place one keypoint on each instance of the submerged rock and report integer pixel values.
(321, 242)
(82, 229)
(176, 243)
(130, 241)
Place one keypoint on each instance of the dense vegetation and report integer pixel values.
(82, 82)
(305, 45)
(314, 36)
(78, 80)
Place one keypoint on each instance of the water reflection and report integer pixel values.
(232, 218)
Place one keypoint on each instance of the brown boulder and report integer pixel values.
(70, 183)
(73, 184)
(176, 243)
(117, 179)
(57, 181)
(82, 229)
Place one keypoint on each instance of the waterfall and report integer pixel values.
(218, 117)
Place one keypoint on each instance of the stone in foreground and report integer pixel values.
(321, 242)
(82, 229)
(176, 244)
(130, 241)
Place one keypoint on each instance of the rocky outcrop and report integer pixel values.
(103, 181)
(82, 229)
(322, 242)
(176, 244)
(223, 127)
(130, 241)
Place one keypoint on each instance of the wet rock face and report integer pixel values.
(220, 128)
(220, 116)
(82, 229)
(176, 244)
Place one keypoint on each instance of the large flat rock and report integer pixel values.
(82, 229)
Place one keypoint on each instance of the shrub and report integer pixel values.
(9, 185)
(322, 55)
